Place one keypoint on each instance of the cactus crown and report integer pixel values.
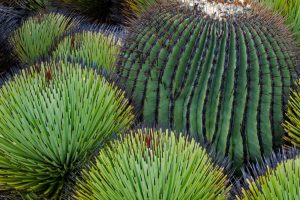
(224, 81)
(217, 8)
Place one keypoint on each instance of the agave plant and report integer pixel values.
(150, 164)
(290, 9)
(94, 49)
(278, 178)
(51, 118)
(223, 76)
(34, 40)
(292, 122)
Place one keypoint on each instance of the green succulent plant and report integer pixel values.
(276, 179)
(223, 79)
(90, 48)
(290, 9)
(52, 117)
(292, 122)
(34, 40)
(150, 164)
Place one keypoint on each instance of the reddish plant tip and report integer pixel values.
(148, 140)
(48, 75)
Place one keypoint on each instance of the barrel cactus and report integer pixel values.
(223, 76)
(52, 117)
(278, 178)
(292, 122)
(93, 49)
(150, 164)
(34, 40)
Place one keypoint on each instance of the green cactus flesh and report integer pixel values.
(222, 81)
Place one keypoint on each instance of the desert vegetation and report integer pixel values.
(149, 99)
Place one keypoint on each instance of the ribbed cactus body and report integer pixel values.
(223, 81)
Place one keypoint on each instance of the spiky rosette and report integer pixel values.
(278, 178)
(93, 49)
(292, 122)
(224, 78)
(34, 40)
(150, 164)
(51, 118)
